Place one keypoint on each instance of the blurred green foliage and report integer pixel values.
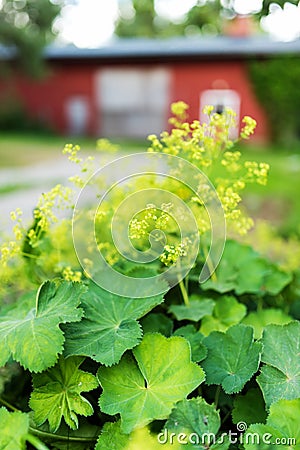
(275, 82)
(27, 26)
(13, 116)
(140, 18)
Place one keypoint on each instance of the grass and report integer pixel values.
(279, 201)
(18, 149)
(8, 188)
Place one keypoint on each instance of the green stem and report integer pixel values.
(45, 434)
(186, 284)
(210, 265)
(217, 395)
(8, 405)
(226, 416)
(35, 442)
(29, 255)
(184, 293)
(259, 304)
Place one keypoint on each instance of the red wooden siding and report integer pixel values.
(46, 99)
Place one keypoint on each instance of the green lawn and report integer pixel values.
(279, 201)
(25, 149)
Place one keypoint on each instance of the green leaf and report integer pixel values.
(260, 319)
(57, 394)
(197, 420)
(262, 437)
(157, 323)
(198, 308)
(249, 408)
(147, 386)
(33, 337)
(109, 326)
(195, 338)
(113, 438)
(284, 416)
(14, 428)
(244, 271)
(282, 424)
(227, 312)
(280, 376)
(233, 357)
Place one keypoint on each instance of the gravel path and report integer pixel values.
(36, 179)
(33, 181)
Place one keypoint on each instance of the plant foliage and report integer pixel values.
(84, 368)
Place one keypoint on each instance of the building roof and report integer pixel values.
(219, 47)
(179, 48)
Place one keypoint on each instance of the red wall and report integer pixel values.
(46, 99)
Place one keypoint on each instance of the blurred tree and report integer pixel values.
(205, 16)
(138, 18)
(275, 82)
(143, 20)
(27, 26)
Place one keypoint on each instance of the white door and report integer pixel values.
(77, 115)
(132, 102)
(221, 99)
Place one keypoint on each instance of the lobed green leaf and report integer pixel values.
(281, 430)
(280, 375)
(34, 337)
(57, 394)
(146, 387)
(109, 326)
(233, 357)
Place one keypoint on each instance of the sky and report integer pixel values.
(90, 23)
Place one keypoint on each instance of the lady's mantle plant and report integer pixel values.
(84, 368)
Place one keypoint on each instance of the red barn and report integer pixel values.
(125, 88)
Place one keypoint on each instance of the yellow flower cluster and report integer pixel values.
(153, 218)
(138, 228)
(171, 253)
(58, 197)
(249, 128)
(257, 172)
(72, 150)
(8, 251)
(231, 161)
(86, 165)
(179, 110)
(71, 275)
(208, 146)
(18, 228)
(104, 145)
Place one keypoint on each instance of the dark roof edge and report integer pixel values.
(183, 48)
(176, 48)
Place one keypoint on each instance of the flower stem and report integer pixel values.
(35, 442)
(210, 265)
(8, 405)
(184, 293)
(217, 395)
